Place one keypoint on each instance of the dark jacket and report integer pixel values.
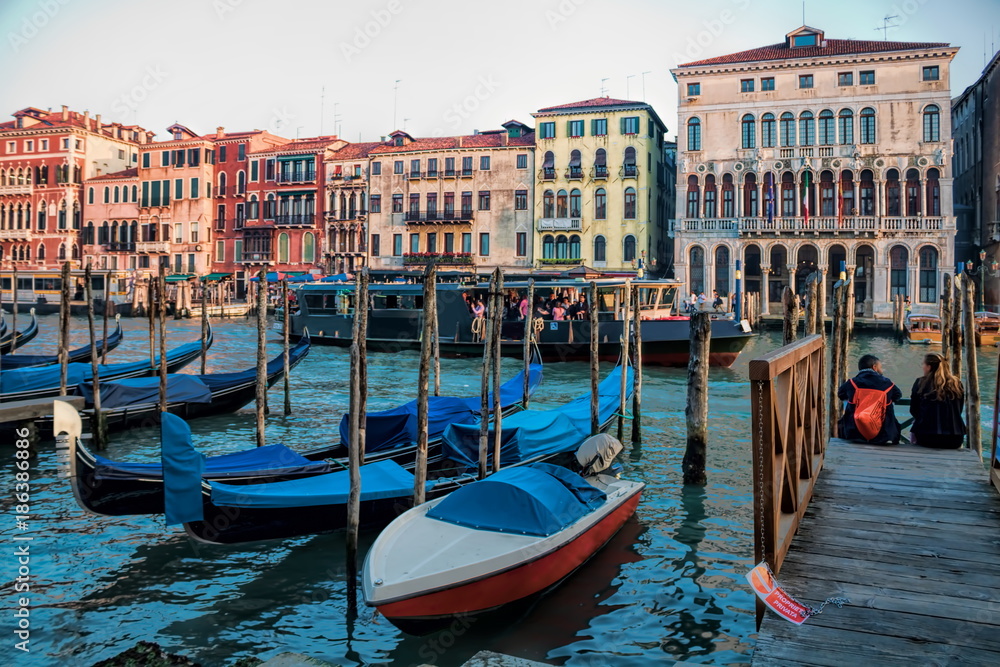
(936, 417)
(869, 379)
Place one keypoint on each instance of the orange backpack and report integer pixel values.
(869, 409)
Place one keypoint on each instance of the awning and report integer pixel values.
(273, 277)
(179, 277)
(302, 278)
(215, 276)
(574, 159)
(601, 159)
(550, 160)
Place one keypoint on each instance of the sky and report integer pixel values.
(360, 69)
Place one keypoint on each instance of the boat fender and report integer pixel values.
(597, 453)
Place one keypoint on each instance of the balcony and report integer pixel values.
(153, 246)
(306, 176)
(431, 174)
(15, 234)
(547, 174)
(466, 173)
(121, 247)
(220, 191)
(17, 189)
(449, 173)
(826, 151)
(412, 176)
(350, 216)
(238, 222)
(600, 172)
(438, 258)
(560, 224)
(853, 225)
(574, 174)
(250, 257)
(630, 171)
(438, 217)
(297, 220)
(549, 261)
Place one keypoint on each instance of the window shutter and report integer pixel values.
(622, 121)
(569, 128)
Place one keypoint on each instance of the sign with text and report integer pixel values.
(781, 603)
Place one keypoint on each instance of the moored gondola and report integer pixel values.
(78, 356)
(13, 340)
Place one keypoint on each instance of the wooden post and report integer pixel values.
(97, 426)
(436, 340)
(789, 324)
(286, 325)
(637, 368)
(972, 405)
(354, 474)
(957, 300)
(835, 358)
(946, 293)
(64, 314)
(810, 316)
(497, 349)
(13, 316)
(204, 327)
(850, 305)
(151, 313)
(261, 404)
(362, 305)
(161, 289)
(844, 344)
(108, 305)
(529, 332)
(595, 367)
(430, 316)
(484, 386)
(626, 321)
(696, 410)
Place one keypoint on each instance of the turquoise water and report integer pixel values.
(671, 583)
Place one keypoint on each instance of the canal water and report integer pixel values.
(669, 585)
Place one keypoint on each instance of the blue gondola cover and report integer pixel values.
(268, 460)
(135, 391)
(183, 467)
(527, 501)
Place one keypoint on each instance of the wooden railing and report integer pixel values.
(789, 442)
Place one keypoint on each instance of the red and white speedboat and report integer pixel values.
(503, 539)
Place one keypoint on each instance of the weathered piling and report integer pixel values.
(497, 342)
(13, 315)
(360, 336)
(595, 369)
(286, 324)
(108, 307)
(696, 410)
(790, 322)
(946, 305)
(811, 295)
(436, 349)
(529, 333)
(430, 316)
(63, 330)
(972, 403)
(623, 389)
(151, 311)
(637, 368)
(354, 474)
(97, 426)
(161, 290)
(261, 395)
(957, 335)
(204, 328)
(835, 357)
(484, 386)
(850, 305)
(845, 300)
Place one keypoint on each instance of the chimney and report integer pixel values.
(86, 120)
(220, 132)
(65, 112)
(97, 121)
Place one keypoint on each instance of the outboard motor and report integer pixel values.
(597, 454)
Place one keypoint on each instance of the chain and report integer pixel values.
(814, 611)
(760, 466)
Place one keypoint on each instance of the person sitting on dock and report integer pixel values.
(936, 404)
(869, 416)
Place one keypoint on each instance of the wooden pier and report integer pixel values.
(910, 535)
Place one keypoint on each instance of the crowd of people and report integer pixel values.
(697, 303)
(556, 306)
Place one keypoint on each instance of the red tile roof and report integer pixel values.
(355, 150)
(38, 119)
(592, 103)
(483, 140)
(117, 176)
(310, 145)
(833, 47)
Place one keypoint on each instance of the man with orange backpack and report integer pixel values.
(868, 414)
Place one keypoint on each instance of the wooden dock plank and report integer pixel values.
(912, 537)
(16, 411)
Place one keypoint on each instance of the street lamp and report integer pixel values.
(982, 270)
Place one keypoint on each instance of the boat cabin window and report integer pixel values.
(398, 301)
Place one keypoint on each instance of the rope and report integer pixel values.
(478, 327)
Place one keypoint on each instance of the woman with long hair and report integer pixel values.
(936, 404)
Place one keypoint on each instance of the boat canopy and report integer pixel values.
(538, 499)
(397, 426)
(134, 391)
(257, 461)
(532, 433)
(383, 479)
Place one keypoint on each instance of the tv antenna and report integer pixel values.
(336, 119)
(886, 25)
(604, 89)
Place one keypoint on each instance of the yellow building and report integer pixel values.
(600, 195)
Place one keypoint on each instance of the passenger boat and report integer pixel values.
(116, 488)
(243, 513)
(78, 356)
(987, 328)
(493, 543)
(923, 329)
(396, 316)
(13, 340)
(33, 383)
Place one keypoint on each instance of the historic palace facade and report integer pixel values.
(804, 154)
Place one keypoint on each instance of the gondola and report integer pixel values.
(135, 402)
(243, 513)
(78, 356)
(14, 340)
(496, 542)
(34, 383)
(122, 488)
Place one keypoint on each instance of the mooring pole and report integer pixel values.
(108, 305)
(738, 311)
(204, 327)
(696, 410)
(623, 388)
(363, 306)
(957, 335)
(430, 316)
(972, 371)
(637, 368)
(261, 395)
(497, 349)
(945, 313)
(13, 316)
(97, 425)
(835, 357)
(64, 313)
(484, 386)
(286, 325)
(595, 368)
(529, 332)
(354, 473)
(152, 310)
(435, 340)
(789, 324)
(161, 289)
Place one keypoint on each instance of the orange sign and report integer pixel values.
(767, 589)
